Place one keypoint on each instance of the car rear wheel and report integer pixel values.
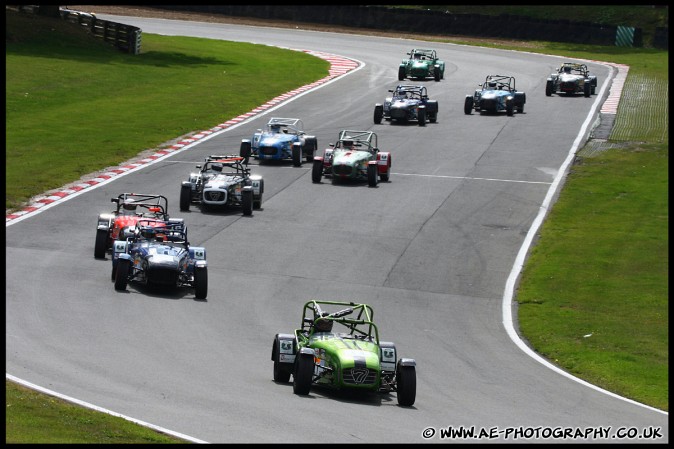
(401, 73)
(244, 151)
(201, 283)
(406, 380)
(247, 202)
(185, 197)
(122, 274)
(468, 105)
(281, 372)
(317, 171)
(304, 371)
(310, 147)
(378, 114)
(101, 244)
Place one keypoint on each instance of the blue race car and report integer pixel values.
(407, 103)
(158, 254)
(496, 94)
(283, 139)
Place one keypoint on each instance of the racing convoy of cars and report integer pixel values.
(337, 346)
(421, 64)
(130, 207)
(355, 156)
(223, 181)
(158, 254)
(496, 94)
(407, 103)
(283, 139)
(571, 78)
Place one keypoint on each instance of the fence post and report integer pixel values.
(137, 37)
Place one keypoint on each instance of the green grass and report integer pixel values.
(594, 292)
(85, 106)
(33, 417)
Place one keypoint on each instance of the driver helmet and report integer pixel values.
(216, 167)
(567, 69)
(148, 232)
(492, 83)
(323, 325)
(275, 127)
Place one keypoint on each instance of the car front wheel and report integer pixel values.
(317, 171)
(201, 283)
(122, 274)
(247, 202)
(406, 379)
(468, 105)
(101, 243)
(304, 370)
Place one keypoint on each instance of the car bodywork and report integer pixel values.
(130, 208)
(283, 139)
(159, 254)
(222, 181)
(342, 350)
(421, 64)
(355, 156)
(571, 78)
(496, 94)
(407, 103)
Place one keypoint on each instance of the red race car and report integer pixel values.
(131, 207)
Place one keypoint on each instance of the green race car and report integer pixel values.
(349, 356)
(421, 64)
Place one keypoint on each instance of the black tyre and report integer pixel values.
(257, 202)
(372, 177)
(245, 151)
(548, 88)
(586, 89)
(436, 75)
(421, 116)
(520, 109)
(317, 171)
(281, 372)
(510, 108)
(592, 89)
(406, 379)
(247, 202)
(378, 114)
(122, 274)
(201, 283)
(304, 371)
(297, 154)
(310, 147)
(401, 73)
(185, 197)
(468, 105)
(433, 117)
(101, 245)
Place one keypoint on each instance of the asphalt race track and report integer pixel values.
(431, 251)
